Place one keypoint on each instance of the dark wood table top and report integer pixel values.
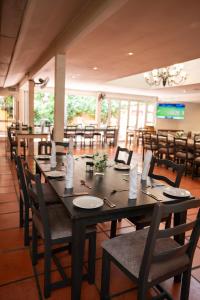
(102, 186)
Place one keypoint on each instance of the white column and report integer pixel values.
(21, 105)
(59, 92)
(31, 102)
(16, 107)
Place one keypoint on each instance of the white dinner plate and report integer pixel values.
(121, 167)
(43, 157)
(88, 202)
(176, 192)
(55, 174)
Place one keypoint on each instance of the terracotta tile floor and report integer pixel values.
(17, 277)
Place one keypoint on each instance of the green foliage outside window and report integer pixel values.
(77, 106)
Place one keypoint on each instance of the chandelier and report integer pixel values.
(172, 75)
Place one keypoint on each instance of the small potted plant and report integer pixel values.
(100, 161)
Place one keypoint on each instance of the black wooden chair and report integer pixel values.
(165, 148)
(109, 134)
(150, 256)
(24, 202)
(13, 144)
(142, 221)
(53, 225)
(196, 153)
(182, 153)
(123, 152)
(79, 133)
(149, 142)
(70, 132)
(89, 134)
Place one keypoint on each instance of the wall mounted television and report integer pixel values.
(170, 111)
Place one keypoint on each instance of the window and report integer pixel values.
(150, 117)
(80, 110)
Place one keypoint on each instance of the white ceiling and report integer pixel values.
(159, 33)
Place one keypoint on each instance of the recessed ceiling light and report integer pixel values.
(184, 91)
(95, 68)
(130, 53)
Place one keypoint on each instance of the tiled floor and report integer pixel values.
(17, 277)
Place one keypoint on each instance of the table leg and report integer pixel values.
(78, 241)
(179, 218)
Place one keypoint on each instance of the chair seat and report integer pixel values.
(49, 195)
(59, 222)
(128, 250)
(184, 155)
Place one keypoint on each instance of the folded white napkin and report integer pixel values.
(133, 182)
(69, 171)
(146, 164)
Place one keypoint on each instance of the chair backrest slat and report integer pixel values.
(37, 197)
(179, 169)
(175, 230)
(166, 255)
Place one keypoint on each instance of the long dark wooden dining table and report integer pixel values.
(102, 186)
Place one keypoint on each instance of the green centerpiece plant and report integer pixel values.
(100, 161)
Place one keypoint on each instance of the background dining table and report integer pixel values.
(101, 186)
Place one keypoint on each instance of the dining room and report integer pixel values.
(99, 150)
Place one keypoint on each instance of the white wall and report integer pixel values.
(190, 123)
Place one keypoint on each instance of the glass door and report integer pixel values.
(133, 115)
(141, 115)
(114, 113)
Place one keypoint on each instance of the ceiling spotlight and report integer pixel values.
(130, 53)
(95, 68)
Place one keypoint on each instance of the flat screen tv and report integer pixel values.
(170, 111)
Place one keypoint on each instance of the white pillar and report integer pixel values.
(31, 102)
(59, 93)
(16, 107)
(21, 105)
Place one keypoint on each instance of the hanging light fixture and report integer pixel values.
(172, 75)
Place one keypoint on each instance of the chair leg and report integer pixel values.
(105, 276)
(34, 245)
(113, 229)
(26, 227)
(91, 258)
(142, 292)
(47, 270)
(185, 286)
(21, 212)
